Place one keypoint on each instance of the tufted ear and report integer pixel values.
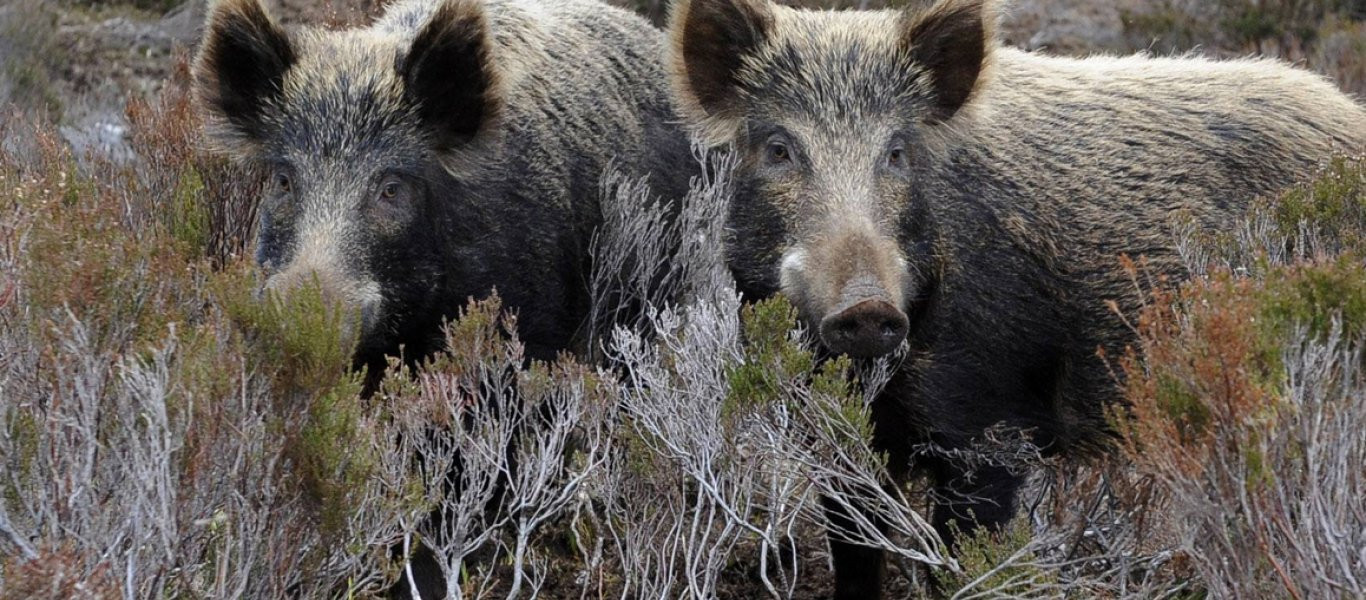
(449, 75)
(709, 41)
(240, 72)
(952, 41)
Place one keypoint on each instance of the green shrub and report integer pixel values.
(1333, 204)
(775, 363)
(996, 564)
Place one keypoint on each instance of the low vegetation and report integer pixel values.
(166, 432)
(27, 41)
(1247, 399)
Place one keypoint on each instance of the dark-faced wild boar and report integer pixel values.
(450, 148)
(904, 179)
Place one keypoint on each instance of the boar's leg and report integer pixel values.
(427, 577)
(967, 500)
(858, 568)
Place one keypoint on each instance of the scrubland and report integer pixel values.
(167, 431)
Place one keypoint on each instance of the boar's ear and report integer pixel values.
(952, 41)
(450, 77)
(240, 72)
(709, 40)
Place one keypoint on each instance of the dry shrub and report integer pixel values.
(493, 451)
(30, 55)
(1234, 24)
(1245, 396)
(1340, 53)
(203, 199)
(1253, 428)
(1105, 529)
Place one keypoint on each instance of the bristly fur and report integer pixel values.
(906, 156)
(762, 40)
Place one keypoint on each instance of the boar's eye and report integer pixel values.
(896, 157)
(777, 153)
(392, 189)
(281, 183)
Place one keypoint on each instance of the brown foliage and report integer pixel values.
(199, 196)
(58, 575)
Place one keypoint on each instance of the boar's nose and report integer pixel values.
(868, 329)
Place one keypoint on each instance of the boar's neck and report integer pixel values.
(528, 245)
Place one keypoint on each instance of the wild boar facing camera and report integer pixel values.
(910, 183)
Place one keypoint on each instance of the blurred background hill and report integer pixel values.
(77, 61)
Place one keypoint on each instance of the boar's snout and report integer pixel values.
(868, 329)
(849, 280)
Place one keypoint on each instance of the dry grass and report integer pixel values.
(29, 55)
